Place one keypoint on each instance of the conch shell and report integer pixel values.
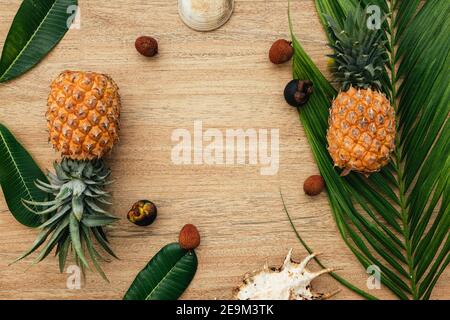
(205, 15)
(292, 281)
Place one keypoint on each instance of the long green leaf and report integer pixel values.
(337, 277)
(402, 217)
(42, 236)
(75, 236)
(37, 27)
(101, 239)
(166, 276)
(18, 172)
(98, 220)
(92, 252)
(60, 232)
(62, 253)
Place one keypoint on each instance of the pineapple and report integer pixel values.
(83, 123)
(361, 134)
(83, 114)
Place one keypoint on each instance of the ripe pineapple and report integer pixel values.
(83, 123)
(361, 134)
(83, 114)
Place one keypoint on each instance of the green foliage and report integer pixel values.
(359, 52)
(166, 276)
(76, 214)
(398, 219)
(337, 277)
(37, 27)
(18, 171)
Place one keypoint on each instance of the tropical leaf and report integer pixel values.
(63, 230)
(37, 27)
(399, 218)
(337, 277)
(18, 172)
(166, 276)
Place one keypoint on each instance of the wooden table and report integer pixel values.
(222, 78)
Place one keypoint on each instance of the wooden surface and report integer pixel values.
(222, 78)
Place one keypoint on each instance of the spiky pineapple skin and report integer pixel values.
(83, 114)
(361, 134)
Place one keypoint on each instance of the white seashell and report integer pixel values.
(291, 281)
(205, 15)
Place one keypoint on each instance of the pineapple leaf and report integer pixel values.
(92, 252)
(102, 241)
(42, 236)
(37, 28)
(55, 218)
(78, 207)
(43, 212)
(97, 220)
(96, 208)
(59, 233)
(62, 253)
(46, 185)
(43, 203)
(72, 214)
(399, 218)
(75, 235)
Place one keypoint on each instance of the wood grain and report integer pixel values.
(222, 78)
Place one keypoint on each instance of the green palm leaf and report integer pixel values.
(18, 172)
(37, 27)
(398, 219)
(166, 276)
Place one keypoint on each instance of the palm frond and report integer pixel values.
(337, 277)
(399, 218)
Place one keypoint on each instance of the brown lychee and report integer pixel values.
(147, 46)
(189, 237)
(314, 185)
(281, 51)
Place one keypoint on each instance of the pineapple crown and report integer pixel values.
(75, 214)
(359, 51)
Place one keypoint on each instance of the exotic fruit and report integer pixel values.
(147, 46)
(314, 185)
(361, 134)
(281, 51)
(298, 92)
(143, 213)
(83, 114)
(83, 123)
(189, 237)
(292, 281)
